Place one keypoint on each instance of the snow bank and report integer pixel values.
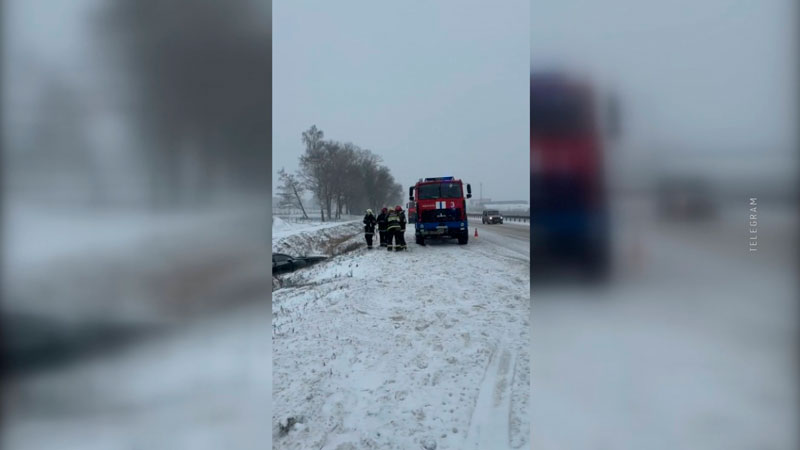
(75, 281)
(280, 226)
(318, 239)
(283, 229)
(138, 266)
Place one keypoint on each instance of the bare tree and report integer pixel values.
(290, 191)
(345, 175)
(315, 169)
(199, 74)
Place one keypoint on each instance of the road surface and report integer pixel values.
(514, 237)
(693, 345)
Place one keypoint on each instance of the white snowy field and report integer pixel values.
(422, 349)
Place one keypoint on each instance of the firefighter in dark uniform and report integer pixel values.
(382, 227)
(369, 227)
(395, 229)
(392, 228)
(401, 235)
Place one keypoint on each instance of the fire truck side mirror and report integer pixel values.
(469, 191)
(411, 194)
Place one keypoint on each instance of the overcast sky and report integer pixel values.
(435, 88)
(710, 79)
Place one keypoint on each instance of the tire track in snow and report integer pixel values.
(489, 426)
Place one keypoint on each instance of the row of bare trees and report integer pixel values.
(342, 177)
(193, 78)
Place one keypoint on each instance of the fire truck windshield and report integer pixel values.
(439, 190)
(559, 113)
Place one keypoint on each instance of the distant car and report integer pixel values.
(492, 216)
(685, 198)
(282, 263)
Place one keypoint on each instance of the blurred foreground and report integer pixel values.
(691, 343)
(136, 149)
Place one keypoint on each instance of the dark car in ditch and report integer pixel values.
(283, 263)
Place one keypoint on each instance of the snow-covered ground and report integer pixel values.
(422, 349)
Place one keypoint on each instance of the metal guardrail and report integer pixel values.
(509, 218)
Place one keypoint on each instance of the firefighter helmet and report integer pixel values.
(384, 209)
(398, 208)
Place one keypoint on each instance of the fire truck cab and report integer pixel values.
(441, 209)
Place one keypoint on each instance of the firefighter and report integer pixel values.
(396, 229)
(369, 227)
(392, 229)
(401, 235)
(382, 226)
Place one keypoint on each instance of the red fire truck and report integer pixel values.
(569, 204)
(441, 209)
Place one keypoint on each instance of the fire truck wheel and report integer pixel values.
(463, 239)
(419, 239)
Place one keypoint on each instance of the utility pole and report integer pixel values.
(481, 183)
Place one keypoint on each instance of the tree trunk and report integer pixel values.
(299, 201)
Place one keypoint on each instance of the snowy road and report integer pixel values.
(693, 346)
(514, 237)
(423, 349)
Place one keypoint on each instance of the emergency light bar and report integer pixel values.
(440, 179)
